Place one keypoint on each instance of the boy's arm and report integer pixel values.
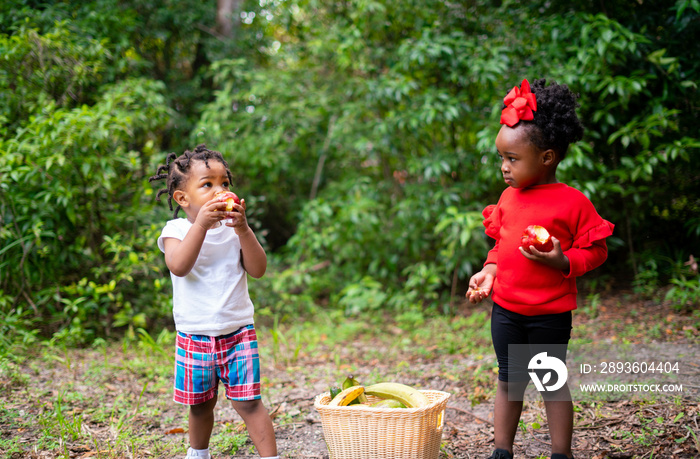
(181, 255)
(253, 256)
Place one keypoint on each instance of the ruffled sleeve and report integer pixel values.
(589, 249)
(493, 227)
(597, 233)
(491, 221)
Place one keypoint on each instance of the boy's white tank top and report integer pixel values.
(213, 298)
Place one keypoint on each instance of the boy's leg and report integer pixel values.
(507, 412)
(560, 418)
(259, 425)
(201, 423)
(241, 376)
(196, 384)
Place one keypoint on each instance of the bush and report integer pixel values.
(72, 189)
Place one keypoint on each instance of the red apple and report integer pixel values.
(538, 237)
(229, 197)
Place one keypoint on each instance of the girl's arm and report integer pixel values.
(481, 283)
(253, 256)
(586, 259)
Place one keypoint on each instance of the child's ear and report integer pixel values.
(549, 157)
(180, 197)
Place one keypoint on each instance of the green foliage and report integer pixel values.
(365, 296)
(40, 69)
(72, 187)
(377, 138)
(360, 133)
(640, 142)
(685, 291)
(646, 282)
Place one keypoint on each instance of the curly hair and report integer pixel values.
(176, 171)
(555, 125)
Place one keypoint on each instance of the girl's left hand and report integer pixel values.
(236, 219)
(555, 258)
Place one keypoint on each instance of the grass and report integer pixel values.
(115, 399)
(66, 397)
(104, 398)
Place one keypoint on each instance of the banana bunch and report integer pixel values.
(392, 395)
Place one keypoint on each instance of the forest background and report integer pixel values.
(360, 132)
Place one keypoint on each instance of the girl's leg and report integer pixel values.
(259, 425)
(507, 328)
(201, 423)
(507, 412)
(552, 332)
(560, 418)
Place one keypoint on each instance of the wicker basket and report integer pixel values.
(362, 432)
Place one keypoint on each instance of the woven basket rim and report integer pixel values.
(440, 398)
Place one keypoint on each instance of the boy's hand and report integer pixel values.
(211, 213)
(555, 258)
(237, 219)
(481, 283)
(253, 257)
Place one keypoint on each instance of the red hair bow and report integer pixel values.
(520, 103)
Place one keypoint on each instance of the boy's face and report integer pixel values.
(202, 184)
(522, 163)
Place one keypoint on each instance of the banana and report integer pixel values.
(346, 396)
(407, 395)
(388, 403)
(350, 381)
(334, 390)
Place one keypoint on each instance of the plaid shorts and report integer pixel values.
(202, 361)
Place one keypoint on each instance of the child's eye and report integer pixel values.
(225, 184)
(207, 185)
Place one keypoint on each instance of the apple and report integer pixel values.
(538, 237)
(229, 197)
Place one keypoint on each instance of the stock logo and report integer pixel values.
(547, 365)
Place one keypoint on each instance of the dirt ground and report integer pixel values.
(661, 428)
(614, 429)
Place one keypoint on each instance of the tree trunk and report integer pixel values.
(228, 17)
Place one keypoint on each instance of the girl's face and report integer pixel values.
(522, 163)
(202, 184)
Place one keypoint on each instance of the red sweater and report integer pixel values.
(528, 287)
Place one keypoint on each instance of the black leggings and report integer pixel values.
(539, 332)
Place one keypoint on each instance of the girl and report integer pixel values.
(534, 292)
(213, 313)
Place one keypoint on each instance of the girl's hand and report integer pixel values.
(237, 219)
(555, 258)
(481, 283)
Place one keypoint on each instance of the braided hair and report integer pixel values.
(176, 170)
(555, 124)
